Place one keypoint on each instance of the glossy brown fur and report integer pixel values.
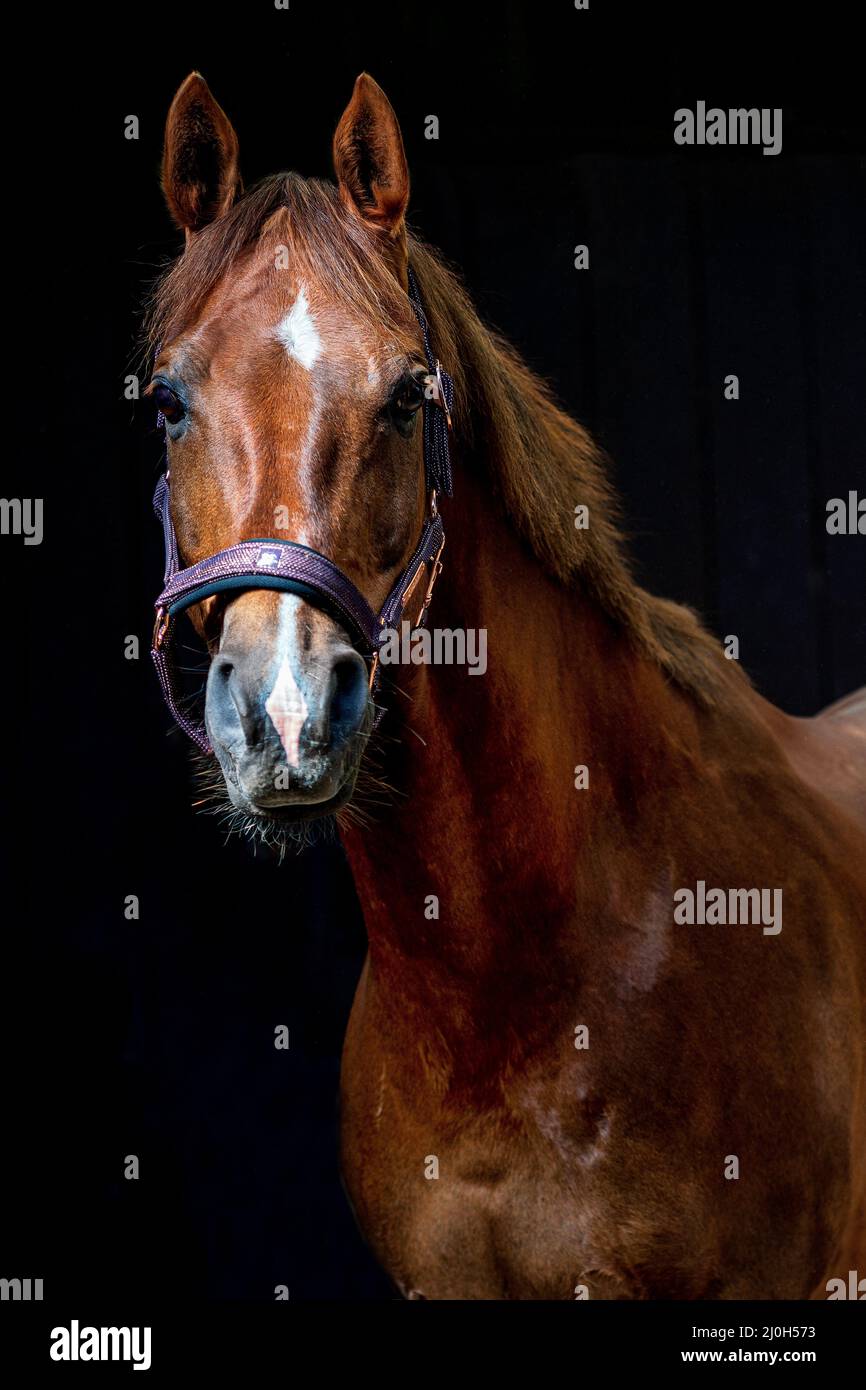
(557, 1168)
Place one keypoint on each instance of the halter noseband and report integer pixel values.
(296, 569)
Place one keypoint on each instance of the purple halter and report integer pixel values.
(266, 563)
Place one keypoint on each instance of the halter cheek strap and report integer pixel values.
(293, 568)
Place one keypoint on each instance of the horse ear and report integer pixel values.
(200, 175)
(369, 159)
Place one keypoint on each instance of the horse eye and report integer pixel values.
(408, 396)
(167, 401)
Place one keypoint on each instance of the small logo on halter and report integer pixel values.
(267, 559)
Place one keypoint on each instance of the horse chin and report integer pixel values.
(291, 825)
(279, 822)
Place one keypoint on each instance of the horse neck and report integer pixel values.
(486, 847)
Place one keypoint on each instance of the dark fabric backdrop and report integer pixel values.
(155, 1037)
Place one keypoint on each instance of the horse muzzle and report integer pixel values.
(287, 706)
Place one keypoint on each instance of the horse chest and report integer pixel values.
(492, 1207)
(467, 1222)
(603, 1174)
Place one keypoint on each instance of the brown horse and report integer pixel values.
(609, 1039)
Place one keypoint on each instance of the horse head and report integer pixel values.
(291, 371)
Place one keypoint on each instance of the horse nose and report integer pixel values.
(318, 712)
(283, 715)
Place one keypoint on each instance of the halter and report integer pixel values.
(265, 563)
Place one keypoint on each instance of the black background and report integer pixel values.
(155, 1037)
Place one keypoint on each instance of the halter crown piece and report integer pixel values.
(265, 563)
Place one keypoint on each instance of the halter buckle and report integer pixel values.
(440, 393)
(160, 628)
(434, 575)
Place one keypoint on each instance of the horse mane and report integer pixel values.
(541, 462)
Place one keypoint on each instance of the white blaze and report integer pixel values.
(297, 332)
(287, 710)
(286, 706)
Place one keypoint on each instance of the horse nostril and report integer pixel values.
(349, 695)
(230, 700)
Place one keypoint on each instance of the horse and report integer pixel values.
(586, 1058)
